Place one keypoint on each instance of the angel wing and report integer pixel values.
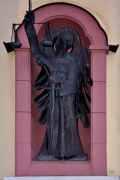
(84, 77)
(42, 82)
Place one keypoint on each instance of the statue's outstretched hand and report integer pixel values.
(29, 17)
(28, 21)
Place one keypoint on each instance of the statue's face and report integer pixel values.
(65, 40)
(65, 44)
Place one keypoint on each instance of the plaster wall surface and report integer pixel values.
(8, 15)
(107, 13)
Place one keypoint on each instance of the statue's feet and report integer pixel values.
(82, 157)
(40, 157)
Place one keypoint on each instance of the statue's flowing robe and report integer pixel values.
(62, 138)
(62, 135)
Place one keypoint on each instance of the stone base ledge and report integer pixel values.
(64, 178)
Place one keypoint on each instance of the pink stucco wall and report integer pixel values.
(29, 134)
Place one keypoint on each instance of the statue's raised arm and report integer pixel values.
(41, 57)
(31, 33)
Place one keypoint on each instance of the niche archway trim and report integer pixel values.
(77, 7)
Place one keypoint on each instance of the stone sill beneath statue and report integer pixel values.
(60, 163)
(60, 168)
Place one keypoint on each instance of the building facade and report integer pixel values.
(106, 13)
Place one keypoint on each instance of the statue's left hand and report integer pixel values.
(29, 17)
(28, 21)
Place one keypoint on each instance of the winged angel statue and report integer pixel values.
(63, 78)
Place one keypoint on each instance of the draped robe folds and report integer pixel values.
(62, 138)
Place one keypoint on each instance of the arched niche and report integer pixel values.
(29, 134)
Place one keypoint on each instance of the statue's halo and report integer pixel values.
(54, 32)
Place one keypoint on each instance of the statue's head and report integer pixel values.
(64, 41)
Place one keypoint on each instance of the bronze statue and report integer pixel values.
(62, 102)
